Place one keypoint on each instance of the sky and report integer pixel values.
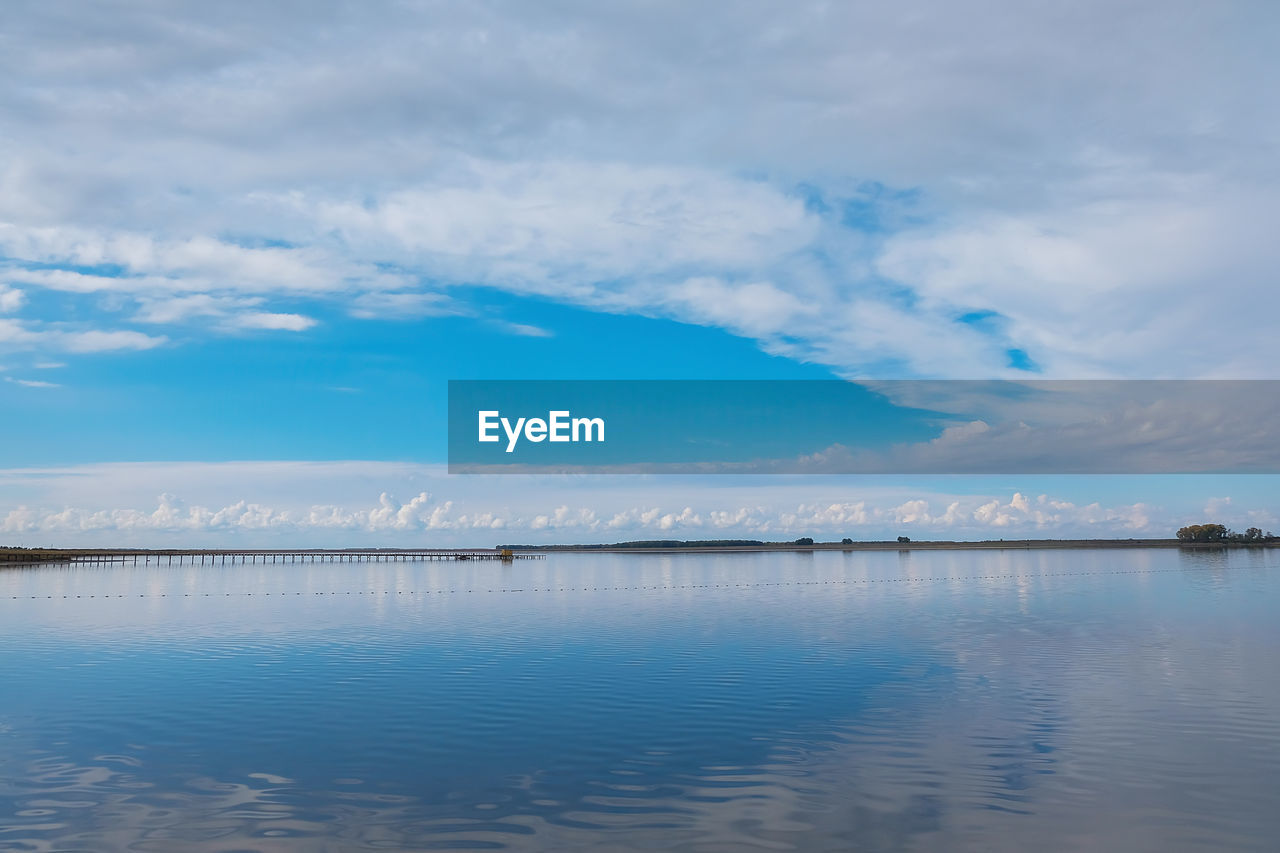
(244, 247)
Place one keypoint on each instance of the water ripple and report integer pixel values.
(971, 700)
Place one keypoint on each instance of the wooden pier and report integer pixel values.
(201, 557)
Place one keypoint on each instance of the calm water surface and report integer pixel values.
(980, 700)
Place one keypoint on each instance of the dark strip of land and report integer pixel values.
(17, 556)
(670, 547)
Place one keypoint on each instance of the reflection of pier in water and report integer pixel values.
(190, 557)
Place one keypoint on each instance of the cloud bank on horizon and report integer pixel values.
(923, 189)
(345, 504)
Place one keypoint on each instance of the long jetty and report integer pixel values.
(204, 557)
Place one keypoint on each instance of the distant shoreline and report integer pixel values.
(29, 556)
(923, 545)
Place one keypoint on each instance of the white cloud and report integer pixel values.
(102, 341)
(1106, 286)
(1039, 518)
(536, 220)
(32, 383)
(677, 162)
(526, 330)
(1216, 507)
(756, 308)
(151, 263)
(11, 299)
(409, 305)
(179, 309)
(347, 503)
(263, 320)
(232, 313)
(19, 336)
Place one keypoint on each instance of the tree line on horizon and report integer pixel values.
(1221, 533)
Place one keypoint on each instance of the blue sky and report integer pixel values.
(235, 239)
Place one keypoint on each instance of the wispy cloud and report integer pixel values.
(178, 309)
(264, 320)
(526, 330)
(15, 335)
(411, 305)
(31, 383)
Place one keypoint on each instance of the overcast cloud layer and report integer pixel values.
(932, 189)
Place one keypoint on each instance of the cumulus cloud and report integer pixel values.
(1045, 512)
(368, 503)
(1041, 516)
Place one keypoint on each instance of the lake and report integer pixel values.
(998, 700)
